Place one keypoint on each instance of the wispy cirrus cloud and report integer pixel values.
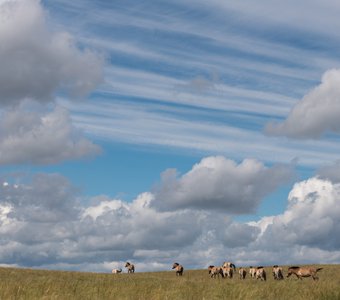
(155, 124)
(158, 51)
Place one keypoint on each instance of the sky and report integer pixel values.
(161, 131)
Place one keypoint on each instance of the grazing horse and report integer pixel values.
(116, 271)
(277, 272)
(252, 272)
(304, 272)
(215, 271)
(261, 273)
(130, 267)
(242, 273)
(179, 269)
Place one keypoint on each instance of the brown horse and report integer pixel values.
(215, 271)
(304, 272)
(179, 269)
(130, 267)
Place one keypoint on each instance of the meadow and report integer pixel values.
(194, 284)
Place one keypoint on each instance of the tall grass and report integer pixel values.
(194, 284)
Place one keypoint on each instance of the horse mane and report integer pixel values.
(261, 267)
(275, 266)
(294, 267)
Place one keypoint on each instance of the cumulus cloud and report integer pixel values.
(217, 183)
(48, 198)
(35, 137)
(44, 223)
(36, 61)
(311, 219)
(317, 113)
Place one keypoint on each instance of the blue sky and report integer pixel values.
(155, 110)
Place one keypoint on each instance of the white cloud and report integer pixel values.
(43, 224)
(217, 183)
(311, 218)
(105, 205)
(36, 61)
(4, 211)
(317, 113)
(47, 198)
(34, 137)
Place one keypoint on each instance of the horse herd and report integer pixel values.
(228, 269)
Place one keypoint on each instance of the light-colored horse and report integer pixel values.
(242, 273)
(116, 271)
(261, 273)
(304, 272)
(277, 272)
(252, 272)
(215, 271)
(227, 272)
(228, 264)
(130, 267)
(178, 268)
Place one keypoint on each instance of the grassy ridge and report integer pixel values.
(195, 284)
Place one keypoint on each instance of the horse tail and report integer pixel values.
(318, 269)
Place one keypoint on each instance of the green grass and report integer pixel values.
(195, 284)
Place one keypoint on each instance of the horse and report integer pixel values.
(252, 272)
(179, 269)
(242, 273)
(215, 271)
(229, 265)
(277, 273)
(116, 271)
(261, 273)
(227, 272)
(130, 267)
(304, 272)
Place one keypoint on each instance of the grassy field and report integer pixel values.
(195, 284)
